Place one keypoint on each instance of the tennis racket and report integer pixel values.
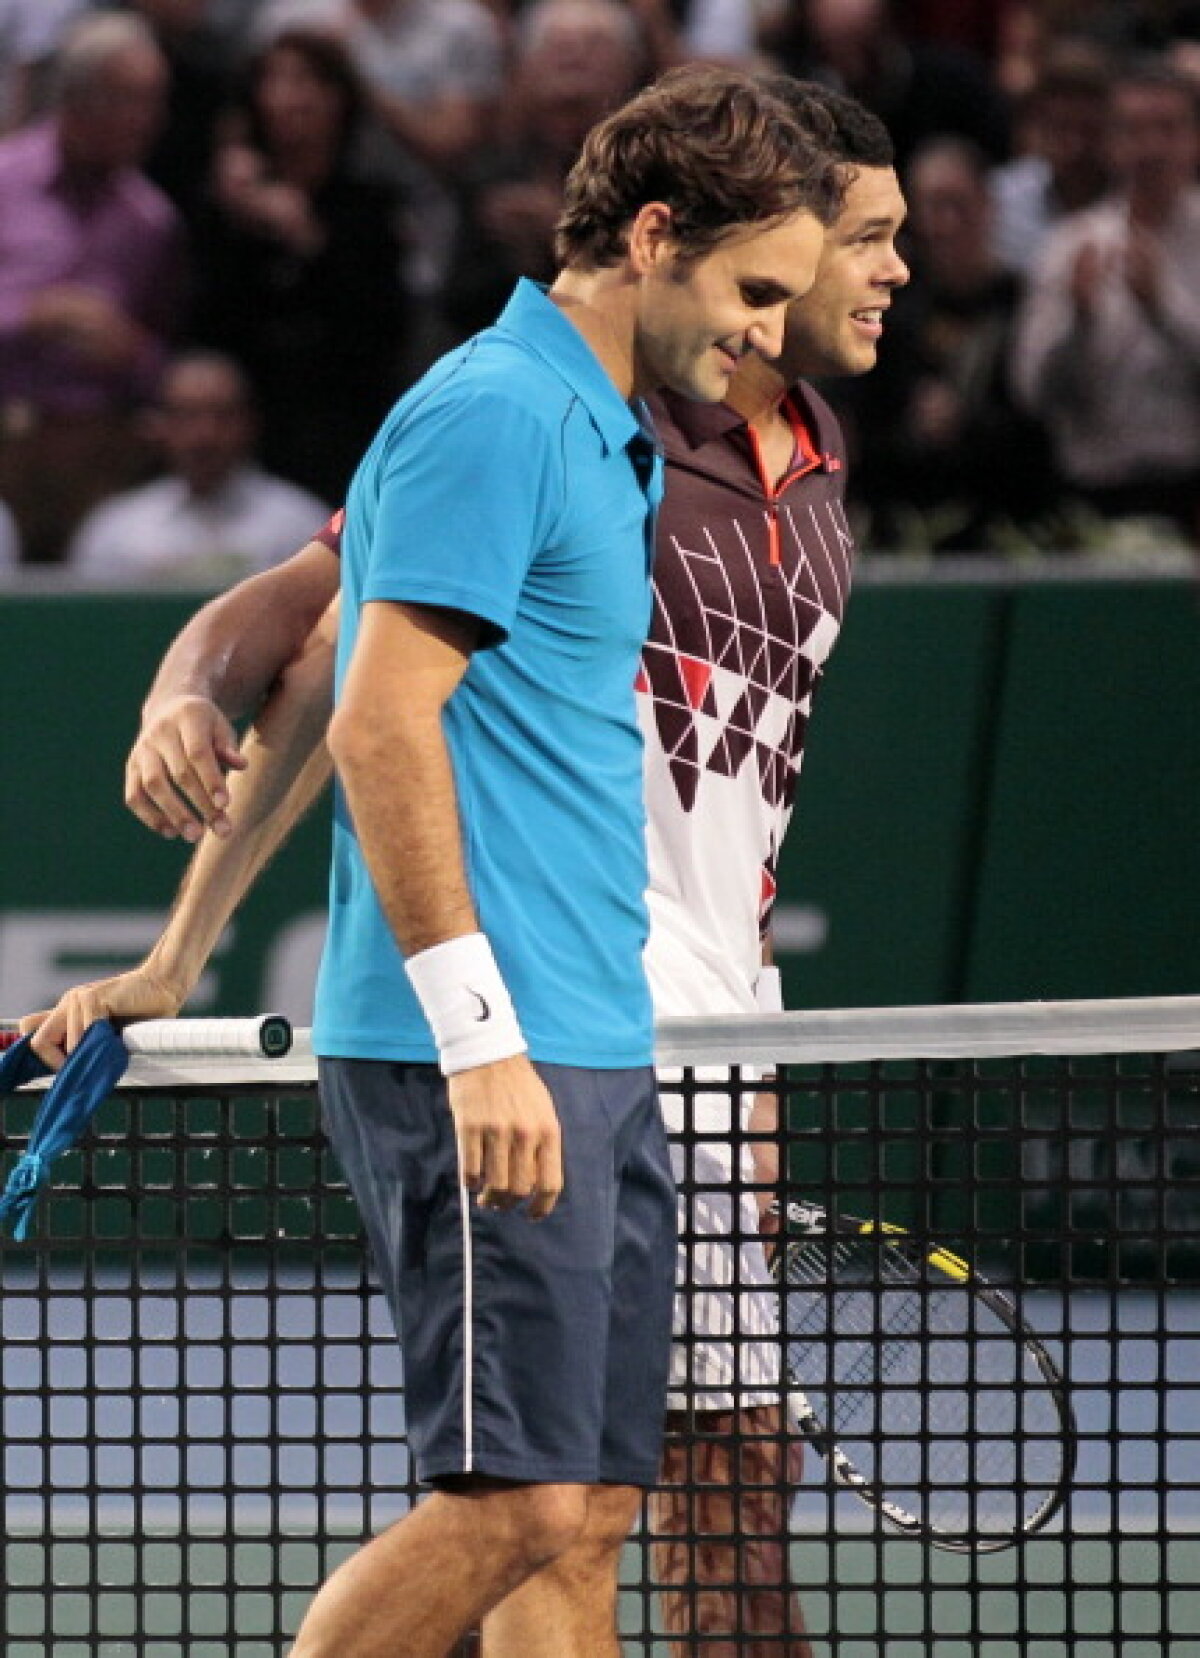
(920, 1384)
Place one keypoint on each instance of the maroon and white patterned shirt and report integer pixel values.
(751, 582)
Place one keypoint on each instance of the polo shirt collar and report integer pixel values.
(703, 423)
(535, 319)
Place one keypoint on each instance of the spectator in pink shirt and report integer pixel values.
(92, 281)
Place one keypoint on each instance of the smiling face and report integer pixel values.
(836, 327)
(699, 317)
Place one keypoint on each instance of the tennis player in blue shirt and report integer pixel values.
(486, 913)
(483, 1020)
(486, 910)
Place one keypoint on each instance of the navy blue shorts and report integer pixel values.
(533, 1351)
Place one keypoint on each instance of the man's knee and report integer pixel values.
(588, 1568)
(553, 1519)
(611, 1512)
(535, 1524)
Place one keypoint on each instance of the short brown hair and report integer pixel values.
(716, 145)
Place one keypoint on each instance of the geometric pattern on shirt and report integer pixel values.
(737, 647)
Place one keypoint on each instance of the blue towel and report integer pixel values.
(68, 1105)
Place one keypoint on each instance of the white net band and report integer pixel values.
(1169, 1024)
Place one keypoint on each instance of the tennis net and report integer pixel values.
(203, 1400)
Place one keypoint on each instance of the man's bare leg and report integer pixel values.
(569, 1608)
(417, 1588)
(720, 1529)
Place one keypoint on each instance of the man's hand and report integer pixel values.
(1143, 268)
(87, 322)
(509, 1138)
(1088, 275)
(175, 774)
(138, 994)
(764, 1150)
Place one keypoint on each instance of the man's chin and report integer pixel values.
(850, 364)
(708, 388)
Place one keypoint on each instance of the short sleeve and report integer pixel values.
(330, 534)
(469, 488)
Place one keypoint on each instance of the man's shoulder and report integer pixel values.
(485, 417)
(496, 377)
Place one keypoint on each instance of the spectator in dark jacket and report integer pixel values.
(300, 263)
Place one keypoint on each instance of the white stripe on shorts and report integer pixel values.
(464, 1200)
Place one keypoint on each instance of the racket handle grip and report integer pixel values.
(268, 1036)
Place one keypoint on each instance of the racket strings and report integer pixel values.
(926, 1387)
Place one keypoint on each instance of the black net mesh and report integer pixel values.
(203, 1401)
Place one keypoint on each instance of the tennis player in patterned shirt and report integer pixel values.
(752, 575)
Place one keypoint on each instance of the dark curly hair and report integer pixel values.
(716, 145)
(853, 134)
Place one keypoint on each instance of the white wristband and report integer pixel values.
(466, 1002)
(768, 990)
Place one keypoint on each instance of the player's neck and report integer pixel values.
(601, 305)
(756, 392)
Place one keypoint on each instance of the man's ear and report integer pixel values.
(652, 238)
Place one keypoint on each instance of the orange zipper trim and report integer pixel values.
(809, 461)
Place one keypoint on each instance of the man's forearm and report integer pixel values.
(399, 785)
(763, 1124)
(219, 669)
(288, 765)
(395, 767)
(233, 650)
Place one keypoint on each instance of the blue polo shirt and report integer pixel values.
(514, 483)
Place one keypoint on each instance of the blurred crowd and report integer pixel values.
(233, 231)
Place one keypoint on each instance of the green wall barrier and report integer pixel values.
(83, 887)
(875, 877)
(999, 801)
(1088, 882)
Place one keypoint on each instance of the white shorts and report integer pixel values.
(726, 1353)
